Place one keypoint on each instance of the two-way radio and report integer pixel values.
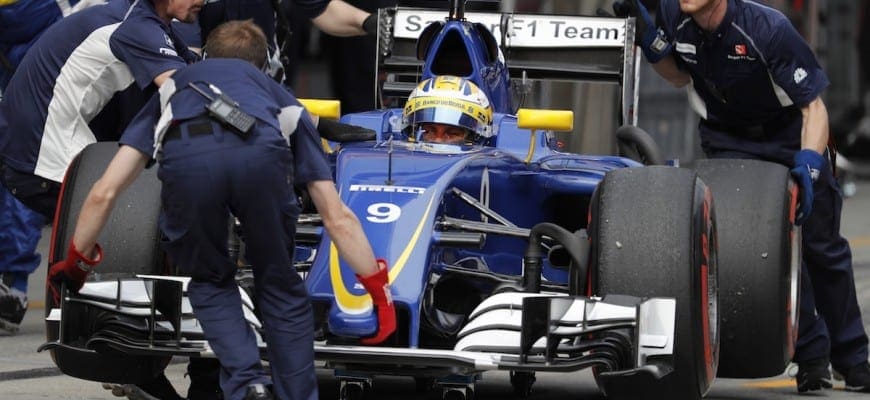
(227, 111)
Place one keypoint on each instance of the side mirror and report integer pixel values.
(551, 120)
(330, 109)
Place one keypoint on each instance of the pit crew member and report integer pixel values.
(246, 166)
(335, 17)
(757, 87)
(21, 24)
(63, 86)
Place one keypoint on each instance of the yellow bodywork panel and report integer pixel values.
(330, 109)
(549, 120)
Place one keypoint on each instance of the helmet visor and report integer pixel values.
(443, 115)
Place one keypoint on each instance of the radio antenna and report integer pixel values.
(390, 161)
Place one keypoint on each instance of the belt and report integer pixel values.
(194, 127)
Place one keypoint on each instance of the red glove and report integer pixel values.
(378, 286)
(73, 270)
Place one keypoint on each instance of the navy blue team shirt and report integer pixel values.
(256, 94)
(148, 45)
(216, 12)
(72, 73)
(753, 70)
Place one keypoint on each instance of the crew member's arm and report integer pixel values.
(353, 246)
(654, 42)
(809, 162)
(341, 19)
(159, 79)
(814, 134)
(343, 227)
(124, 168)
(83, 252)
(667, 69)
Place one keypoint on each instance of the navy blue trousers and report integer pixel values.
(205, 180)
(829, 318)
(22, 217)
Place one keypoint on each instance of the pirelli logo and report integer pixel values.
(387, 189)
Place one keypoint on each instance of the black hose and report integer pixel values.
(636, 144)
(533, 258)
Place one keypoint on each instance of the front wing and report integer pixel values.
(508, 331)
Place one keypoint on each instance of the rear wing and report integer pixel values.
(533, 46)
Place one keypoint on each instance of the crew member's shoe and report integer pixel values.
(13, 305)
(204, 375)
(158, 388)
(858, 378)
(130, 391)
(813, 375)
(258, 391)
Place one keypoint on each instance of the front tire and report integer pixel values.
(653, 235)
(130, 242)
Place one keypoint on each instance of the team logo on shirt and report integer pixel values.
(168, 40)
(741, 52)
(799, 75)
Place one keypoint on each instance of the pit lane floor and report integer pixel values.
(27, 375)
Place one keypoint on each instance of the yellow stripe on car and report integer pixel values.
(358, 304)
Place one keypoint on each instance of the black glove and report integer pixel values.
(337, 132)
(370, 25)
(651, 40)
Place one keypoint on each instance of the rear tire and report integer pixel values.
(130, 242)
(653, 235)
(759, 259)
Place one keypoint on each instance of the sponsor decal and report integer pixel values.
(799, 75)
(420, 103)
(387, 189)
(740, 53)
(525, 30)
(746, 58)
(168, 52)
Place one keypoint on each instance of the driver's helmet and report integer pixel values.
(448, 100)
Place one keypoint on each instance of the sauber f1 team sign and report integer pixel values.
(525, 30)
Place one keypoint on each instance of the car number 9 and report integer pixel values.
(383, 213)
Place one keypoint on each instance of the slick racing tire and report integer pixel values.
(759, 265)
(130, 244)
(653, 235)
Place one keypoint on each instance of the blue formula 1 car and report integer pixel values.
(507, 254)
